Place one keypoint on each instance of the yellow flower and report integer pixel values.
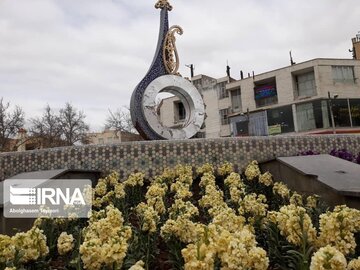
(337, 229)
(155, 197)
(7, 249)
(182, 191)
(213, 197)
(239, 251)
(328, 258)
(227, 219)
(207, 179)
(253, 204)
(199, 256)
(186, 179)
(105, 240)
(97, 202)
(183, 209)
(182, 228)
(32, 244)
(149, 217)
(139, 265)
(296, 199)
(156, 190)
(252, 170)
(65, 243)
(311, 201)
(233, 180)
(293, 223)
(101, 188)
(135, 179)
(266, 179)
(183, 170)
(112, 179)
(354, 264)
(108, 198)
(88, 194)
(206, 168)
(281, 189)
(168, 175)
(236, 186)
(119, 190)
(225, 169)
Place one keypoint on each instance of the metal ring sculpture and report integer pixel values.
(163, 76)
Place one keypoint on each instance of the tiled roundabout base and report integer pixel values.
(151, 157)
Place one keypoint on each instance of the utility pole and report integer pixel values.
(228, 69)
(192, 68)
(332, 112)
(291, 59)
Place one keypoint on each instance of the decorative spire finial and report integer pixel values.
(162, 4)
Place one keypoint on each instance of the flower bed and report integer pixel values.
(193, 219)
(341, 153)
(344, 154)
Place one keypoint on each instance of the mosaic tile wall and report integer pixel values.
(152, 157)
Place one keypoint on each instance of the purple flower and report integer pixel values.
(343, 154)
(308, 153)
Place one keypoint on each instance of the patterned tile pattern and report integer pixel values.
(151, 157)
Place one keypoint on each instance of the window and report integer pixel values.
(341, 113)
(200, 135)
(312, 115)
(223, 93)
(258, 124)
(282, 118)
(343, 74)
(305, 84)
(266, 101)
(101, 141)
(224, 116)
(180, 112)
(305, 116)
(236, 100)
(242, 128)
(340, 108)
(265, 93)
(355, 112)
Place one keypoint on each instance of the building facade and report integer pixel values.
(217, 105)
(356, 47)
(109, 136)
(303, 98)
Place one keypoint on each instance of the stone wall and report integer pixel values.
(151, 157)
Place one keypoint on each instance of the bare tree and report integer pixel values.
(47, 129)
(120, 121)
(10, 123)
(73, 125)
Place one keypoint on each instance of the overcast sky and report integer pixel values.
(93, 53)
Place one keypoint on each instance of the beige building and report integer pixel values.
(111, 136)
(356, 46)
(289, 100)
(217, 104)
(296, 99)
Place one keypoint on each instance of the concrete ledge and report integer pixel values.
(336, 180)
(341, 175)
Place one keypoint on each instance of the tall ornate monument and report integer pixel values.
(163, 76)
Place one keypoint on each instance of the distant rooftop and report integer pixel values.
(295, 66)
